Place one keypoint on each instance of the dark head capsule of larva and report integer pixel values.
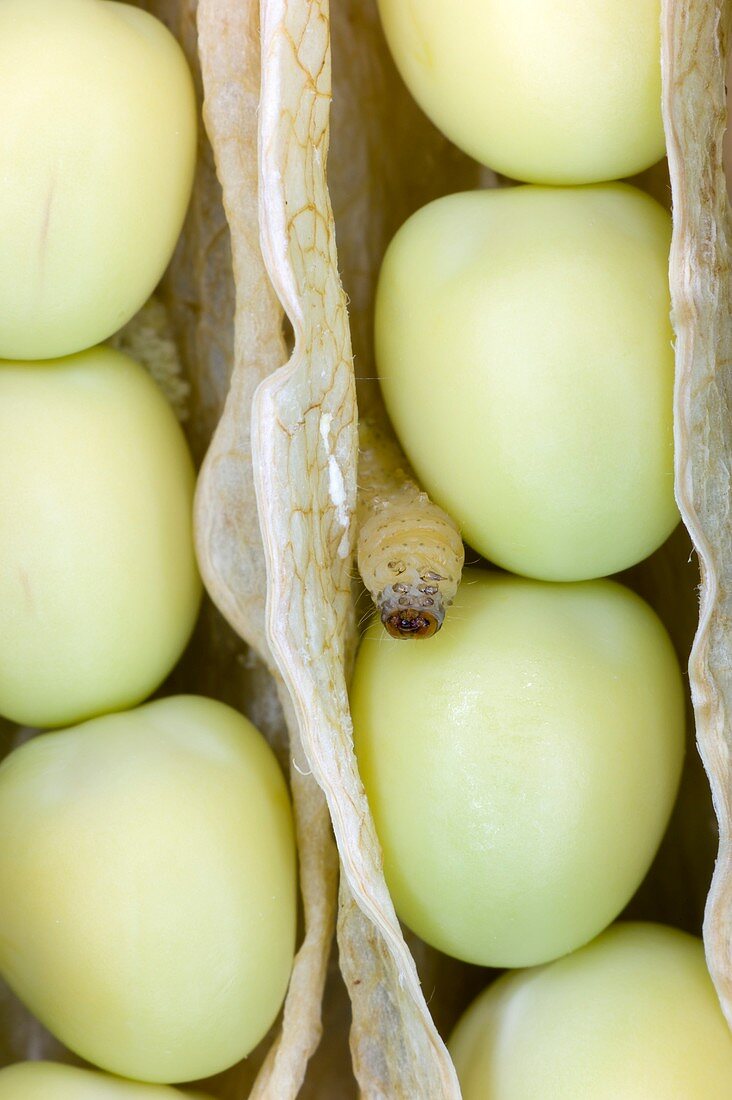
(410, 622)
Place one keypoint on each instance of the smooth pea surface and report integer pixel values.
(633, 1015)
(48, 1081)
(525, 353)
(546, 92)
(147, 887)
(98, 144)
(522, 766)
(98, 582)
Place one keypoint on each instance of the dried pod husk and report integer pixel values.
(305, 450)
(695, 49)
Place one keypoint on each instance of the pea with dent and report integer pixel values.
(98, 143)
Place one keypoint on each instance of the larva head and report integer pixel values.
(411, 624)
(410, 556)
(411, 611)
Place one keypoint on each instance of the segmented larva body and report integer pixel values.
(410, 554)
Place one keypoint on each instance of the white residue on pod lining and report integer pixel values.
(336, 485)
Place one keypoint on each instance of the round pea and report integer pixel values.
(49, 1081)
(522, 767)
(561, 93)
(524, 348)
(98, 146)
(147, 887)
(633, 1015)
(98, 582)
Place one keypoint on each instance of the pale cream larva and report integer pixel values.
(410, 553)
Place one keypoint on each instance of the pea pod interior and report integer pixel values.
(385, 162)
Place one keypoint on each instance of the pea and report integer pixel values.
(147, 887)
(45, 1080)
(98, 580)
(522, 767)
(98, 145)
(563, 93)
(525, 353)
(634, 1015)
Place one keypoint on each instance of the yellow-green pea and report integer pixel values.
(98, 583)
(564, 92)
(49, 1081)
(522, 767)
(633, 1015)
(147, 887)
(524, 348)
(98, 146)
